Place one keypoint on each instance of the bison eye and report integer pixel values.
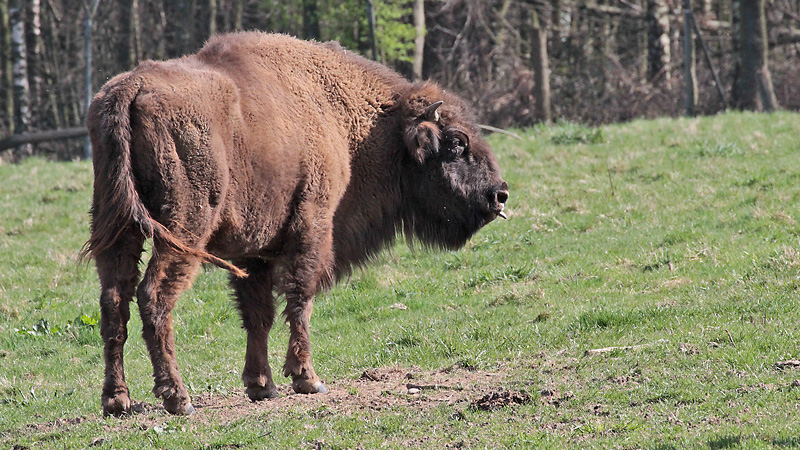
(456, 141)
(458, 146)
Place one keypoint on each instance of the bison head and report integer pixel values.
(451, 181)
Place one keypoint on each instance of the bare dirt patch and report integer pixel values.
(496, 400)
(790, 364)
(376, 389)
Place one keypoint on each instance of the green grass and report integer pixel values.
(679, 236)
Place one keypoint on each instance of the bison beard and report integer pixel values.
(296, 161)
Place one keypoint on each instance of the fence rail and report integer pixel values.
(42, 136)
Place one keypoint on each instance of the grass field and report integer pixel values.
(676, 241)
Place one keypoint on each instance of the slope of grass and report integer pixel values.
(678, 237)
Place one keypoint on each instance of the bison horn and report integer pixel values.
(432, 113)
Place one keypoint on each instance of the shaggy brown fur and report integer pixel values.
(296, 161)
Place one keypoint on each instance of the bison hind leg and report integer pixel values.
(166, 277)
(117, 405)
(118, 271)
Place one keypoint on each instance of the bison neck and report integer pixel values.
(370, 214)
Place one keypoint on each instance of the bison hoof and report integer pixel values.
(257, 393)
(118, 405)
(179, 406)
(302, 386)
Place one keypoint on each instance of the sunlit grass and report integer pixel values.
(677, 236)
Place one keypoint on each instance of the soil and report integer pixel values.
(376, 389)
(496, 400)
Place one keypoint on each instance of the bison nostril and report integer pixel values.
(501, 196)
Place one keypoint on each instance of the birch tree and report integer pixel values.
(5, 56)
(22, 109)
(33, 45)
(658, 48)
(419, 39)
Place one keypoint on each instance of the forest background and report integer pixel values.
(518, 62)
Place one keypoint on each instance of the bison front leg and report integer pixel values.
(311, 266)
(254, 295)
(298, 357)
(166, 277)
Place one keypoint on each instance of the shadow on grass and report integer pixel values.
(793, 442)
(724, 442)
(736, 441)
(664, 447)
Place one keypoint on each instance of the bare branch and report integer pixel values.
(499, 130)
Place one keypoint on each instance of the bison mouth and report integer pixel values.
(496, 205)
(497, 200)
(487, 217)
(491, 214)
(500, 212)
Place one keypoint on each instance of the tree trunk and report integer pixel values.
(658, 54)
(179, 30)
(588, 32)
(643, 51)
(541, 68)
(130, 35)
(161, 47)
(690, 66)
(752, 86)
(311, 20)
(205, 13)
(212, 17)
(371, 23)
(52, 96)
(705, 7)
(555, 19)
(238, 10)
(7, 83)
(136, 30)
(33, 43)
(19, 54)
(87, 50)
(125, 47)
(419, 40)
(606, 43)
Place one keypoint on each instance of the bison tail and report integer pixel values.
(162, 234)
(117, 207)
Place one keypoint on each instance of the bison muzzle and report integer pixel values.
(287, 163)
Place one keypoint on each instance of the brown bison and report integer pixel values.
(294, 160)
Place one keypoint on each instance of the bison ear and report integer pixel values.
(422, 140)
